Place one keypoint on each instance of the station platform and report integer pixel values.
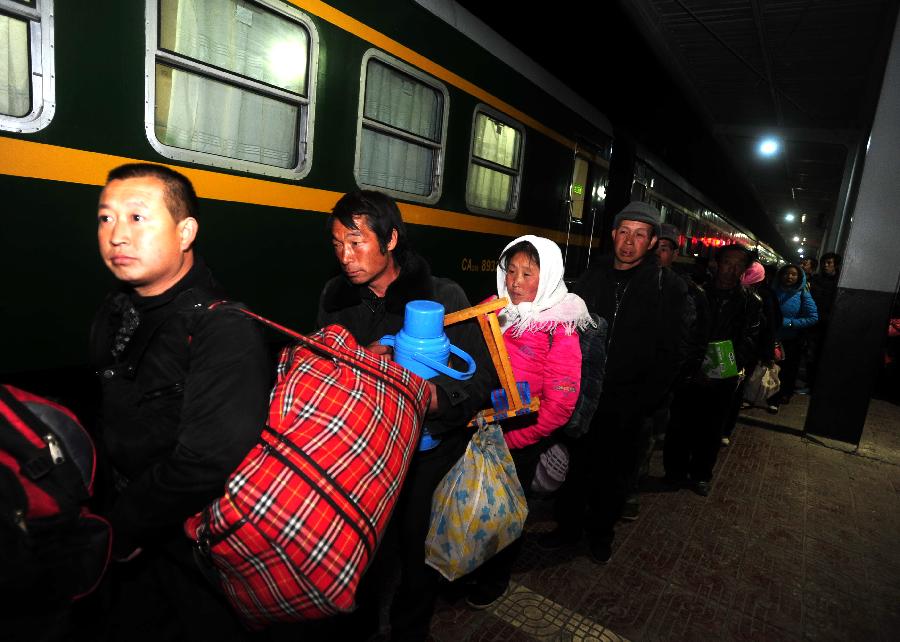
(799, 539)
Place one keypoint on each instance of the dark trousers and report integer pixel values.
(695, 428)
(652, 432)
(413, 603)
(497, 570)
(793, 352)
(602, 465)
(734, 409)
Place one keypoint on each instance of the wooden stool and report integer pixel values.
(486, 314)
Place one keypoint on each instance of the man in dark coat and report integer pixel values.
(644, 305)
(184, 398)
(381, 274)
(700, 407)
(823, 287)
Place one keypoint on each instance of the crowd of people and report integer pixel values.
(185, 391)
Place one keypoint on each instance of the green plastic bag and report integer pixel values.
(478, 509)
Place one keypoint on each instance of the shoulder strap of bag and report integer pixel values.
(322, 348)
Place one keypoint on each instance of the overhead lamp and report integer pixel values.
(768, 147)
(789, 217)
(796, 239)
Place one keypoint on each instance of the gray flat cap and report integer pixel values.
(640, 212)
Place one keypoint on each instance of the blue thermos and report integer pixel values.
(422, 347)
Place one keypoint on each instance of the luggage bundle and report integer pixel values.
(52, 549)
(479, 508)
(304, 512)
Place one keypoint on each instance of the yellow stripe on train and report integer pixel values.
(50, 162)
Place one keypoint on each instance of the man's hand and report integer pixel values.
(381, 350)
(433, 404)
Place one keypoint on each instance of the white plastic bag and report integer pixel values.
(478, 509)
(762, 384)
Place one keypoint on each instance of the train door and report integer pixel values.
(587, 192)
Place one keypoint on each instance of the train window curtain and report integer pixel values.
(15, 76)
(401, 131)
(222, 106)
(495, 165)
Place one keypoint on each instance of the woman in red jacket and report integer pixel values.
(540, 329)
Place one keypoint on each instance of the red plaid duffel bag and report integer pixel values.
(304, 512)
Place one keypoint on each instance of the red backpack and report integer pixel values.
(304, 512)
(52, 549)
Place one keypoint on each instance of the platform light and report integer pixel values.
(796, 239)
(789, 217)
(768, 147)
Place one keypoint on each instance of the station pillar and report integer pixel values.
(852, 356)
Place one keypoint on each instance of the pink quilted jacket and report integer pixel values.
(553, 371)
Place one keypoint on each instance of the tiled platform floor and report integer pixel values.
(796, 541)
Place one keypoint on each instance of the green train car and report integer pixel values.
(274, 109)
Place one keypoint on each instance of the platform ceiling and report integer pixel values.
(698, 82)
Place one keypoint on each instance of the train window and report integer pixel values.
(27, 77)
(401, 130)
(495, 164)
(230, 83)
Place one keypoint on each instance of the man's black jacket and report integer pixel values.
(647, 334)
(182, 403)
(823, 288)
(736, 314)
(368, 318)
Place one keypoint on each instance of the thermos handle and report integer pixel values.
(388, 340)
(450, 372)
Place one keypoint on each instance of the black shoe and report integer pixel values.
(485, 595)
(601, 551)
(631, 510)
(558, 538)
(702, 488)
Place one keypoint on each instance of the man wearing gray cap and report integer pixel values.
(644, 305)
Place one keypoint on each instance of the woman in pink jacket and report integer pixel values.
(540, 329)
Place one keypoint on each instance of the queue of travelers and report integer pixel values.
(185, 390)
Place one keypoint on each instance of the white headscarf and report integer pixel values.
(553, 304)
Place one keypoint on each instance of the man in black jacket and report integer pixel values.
(700, 406)
(184, 398)
(823, 288)
(381, 274)
(644, 305)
